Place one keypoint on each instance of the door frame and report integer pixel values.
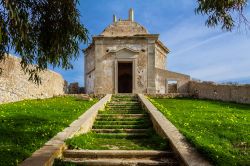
(133, 73)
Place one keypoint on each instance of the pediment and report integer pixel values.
(125, 49)
(126, 53)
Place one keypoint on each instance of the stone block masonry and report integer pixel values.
(14, 84)
(231, 93)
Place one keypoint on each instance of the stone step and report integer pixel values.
(129, 95)
(124, 110)
(141, 126)
(122, 115)
(122, 105)
(141, 114)
(122, 162)
(116, 154)
(121, 118)
(122, 135)
(121, 122)
(120, 112)
(128, 100)
(124, 102)
(124, 98)
(120, 130)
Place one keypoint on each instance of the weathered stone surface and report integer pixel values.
(165, 128)
(126, 41)
(162, 76)
(14, 84)
(73, 88)
(124, 28)
(44, 156)
(232, 93)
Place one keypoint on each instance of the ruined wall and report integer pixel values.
(233, 93)
(172, 88)
(163, 75)
(14, 84)
(160, 83)
(73, 88)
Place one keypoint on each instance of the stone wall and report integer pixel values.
(89, 74)
(14, 84)
(73, 88)
(232, 93)
(172, 88)
(160, 58)
(108, 53)
(162, 76)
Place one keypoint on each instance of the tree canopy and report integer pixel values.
(227, 13)
(41, 32)
(48, 32)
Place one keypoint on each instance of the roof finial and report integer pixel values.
(131, 15)
(114, 18)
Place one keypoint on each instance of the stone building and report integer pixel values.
(126, 58)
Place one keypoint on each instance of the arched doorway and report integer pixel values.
(125, 77)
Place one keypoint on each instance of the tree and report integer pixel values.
(226, 13)
(41, 32)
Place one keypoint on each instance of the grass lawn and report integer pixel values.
(220, 130)
(25, 126)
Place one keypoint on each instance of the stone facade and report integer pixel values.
(232, 93)
(14, 84)
(126, 42)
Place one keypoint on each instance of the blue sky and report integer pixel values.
(201, 52)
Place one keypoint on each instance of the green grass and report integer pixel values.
(25, 126)
(219, 130)
(93, 141)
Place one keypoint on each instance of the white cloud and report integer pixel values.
(207, 54)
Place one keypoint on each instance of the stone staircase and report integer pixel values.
(123, 118)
